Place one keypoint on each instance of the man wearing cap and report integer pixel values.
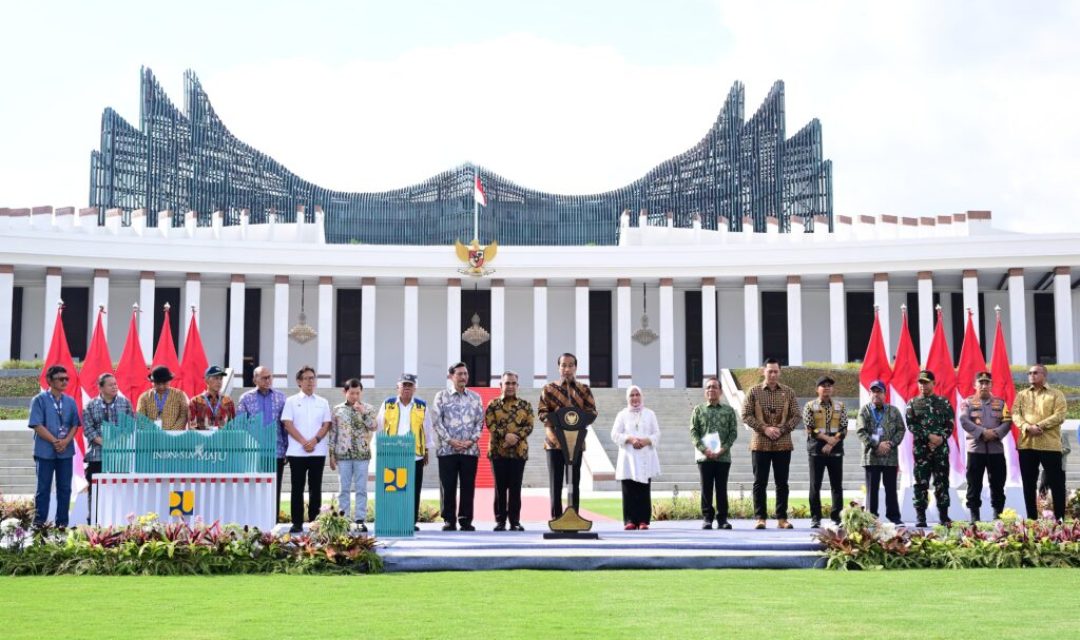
(986, 421)
(772, 413)
(166, 406)
(457, 415)
(403, 414)
(880, 428)
(1038, 412)
(930, 419)
(211, 408)
(826, 426)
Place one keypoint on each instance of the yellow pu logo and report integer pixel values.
(181, 503)
(395, 479)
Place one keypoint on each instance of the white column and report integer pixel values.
(192, 298)
(752, 322)
(837, 320)
(581, 328)
(971, 298)
(7, 303)
(411, 349)
(324, 363)
(881, 299)
(367, 331)
(101, 298)
(540, 364)
(281, 331)
(237, 309)
(709, 367)
(926, 313)
(1063, 319)
(52, 298)
(794, 321)
(623, 331)
(667, 333)
(498, 331)
(146, 291)
(453, 321)
(1017, 318)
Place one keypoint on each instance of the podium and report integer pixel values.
(395, 486)
(571, 425)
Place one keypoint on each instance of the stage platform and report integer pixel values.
(667, 545)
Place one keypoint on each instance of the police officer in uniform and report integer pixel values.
(930, 420)
(986, 423)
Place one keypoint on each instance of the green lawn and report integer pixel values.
(530, 604)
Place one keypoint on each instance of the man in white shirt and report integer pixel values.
(306, 418)
(403, 414)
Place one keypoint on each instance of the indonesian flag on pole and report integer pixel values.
(193, 366)
(875, 364)
(1003, 387)
(165, 354)
(478, 191)
(131, 373)
(971, 363)
(60, 354)
(939, 362)
(905, 386)
(97, 360)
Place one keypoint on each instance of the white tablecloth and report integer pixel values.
(245, 499)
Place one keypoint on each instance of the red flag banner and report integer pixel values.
(905, 386)
(939, 362)
(131, 372)
(1004, 387)
(875, 365)
(193, 366)
(165, 354)
(97, 360)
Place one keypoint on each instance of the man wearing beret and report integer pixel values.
(986, 422)
(930, 420)
(826, 424)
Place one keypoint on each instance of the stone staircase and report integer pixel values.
(672, 407)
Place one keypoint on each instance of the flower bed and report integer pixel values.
(866, 543)
(147, 546)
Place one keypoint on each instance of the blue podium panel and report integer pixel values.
(395, 489)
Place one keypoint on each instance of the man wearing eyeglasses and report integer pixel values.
(267, 403)
(1038, 412)
(54, 419)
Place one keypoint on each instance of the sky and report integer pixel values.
(926, 107)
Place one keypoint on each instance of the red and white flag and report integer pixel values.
(97, 360)
(904, 386)
(971, 363)
(939, 362)
(60, 353)
(1003, 387)
(193, 366)
(478, 191)
(165, 354)
(875, 365)
(131, 372)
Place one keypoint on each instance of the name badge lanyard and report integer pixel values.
(213, 407)
(160, 402)
(58, 405)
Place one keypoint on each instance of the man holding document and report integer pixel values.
(713, 429)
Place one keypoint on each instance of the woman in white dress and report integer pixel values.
(637, 433)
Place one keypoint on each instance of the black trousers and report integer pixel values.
(454, 468)
(875, 476)
(92, 468)
(988, 463)
(818, 466)
(418, 483)
(307, 469)
(780, 461)
(556, 469)
(277, 497)
(714, 475)
(508, 473)
(636, 502)
(1030, 459)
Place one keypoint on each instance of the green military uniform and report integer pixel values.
(926, 416)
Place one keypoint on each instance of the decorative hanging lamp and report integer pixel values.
(302, 332)
(644, 336)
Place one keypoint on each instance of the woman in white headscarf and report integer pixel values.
(637, 433)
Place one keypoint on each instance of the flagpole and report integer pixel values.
(475, 207)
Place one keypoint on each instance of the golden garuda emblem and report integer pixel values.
(476, 257)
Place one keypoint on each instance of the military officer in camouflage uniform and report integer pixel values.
(930, 420)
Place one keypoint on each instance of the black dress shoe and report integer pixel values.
(500, 526)
(707, 524)
(296, 529)
(449, 526)
(467, 527)
(416, 527)
(815, 524)
(362, 527)
(517, 527)
(723, 524)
